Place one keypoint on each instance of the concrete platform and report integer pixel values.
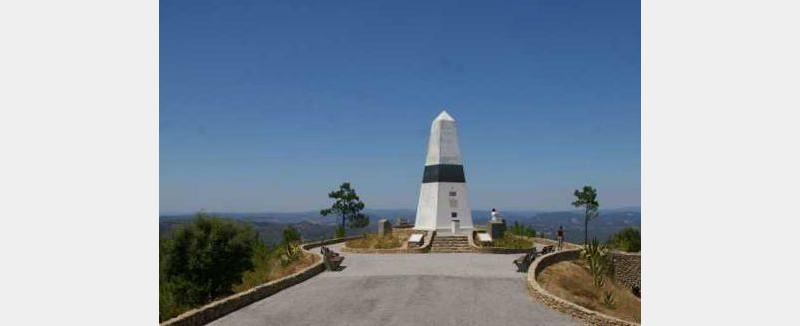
(411, 289)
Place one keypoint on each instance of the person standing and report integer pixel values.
(494, 215)
(560, 236)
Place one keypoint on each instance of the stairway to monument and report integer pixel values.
(450, 243)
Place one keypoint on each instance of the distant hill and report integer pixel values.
(270, 230)
(608, 223)
(313, 226)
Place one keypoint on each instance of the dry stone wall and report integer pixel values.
(627, 269)
(590, 317)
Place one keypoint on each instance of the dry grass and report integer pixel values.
(273, 270)
(397, 239)
(550, 242)
(511, 241)
(279, 271)
(572, 281)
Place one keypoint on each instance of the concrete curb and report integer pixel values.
(224, 306)
(590, 317)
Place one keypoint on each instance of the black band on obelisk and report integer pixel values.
(443, 173)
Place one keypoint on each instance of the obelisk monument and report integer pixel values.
(443, 203)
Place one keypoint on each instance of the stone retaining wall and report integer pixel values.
(590, 317)
(224, 306)
(627, 269)
(426, 247)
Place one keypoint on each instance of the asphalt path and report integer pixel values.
(406, 289)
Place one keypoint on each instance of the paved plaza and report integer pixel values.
(406, 289)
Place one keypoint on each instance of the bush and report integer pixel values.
(340, 232)
(291, 235)
(291, 245)
(629, 239)
(202, 261)
(522, 230)
(168, 305)
(608, 300)
(262, 267)
(596, 257)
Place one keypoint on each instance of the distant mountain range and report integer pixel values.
(313, 226)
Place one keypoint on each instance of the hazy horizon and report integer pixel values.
(399, 209)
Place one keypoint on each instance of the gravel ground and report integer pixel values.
(412, 289)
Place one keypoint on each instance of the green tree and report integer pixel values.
(348, 206)
(291, 235)
(205, 258)
(629, 239)
(587, 198)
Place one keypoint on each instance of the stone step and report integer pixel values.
(451, 244)
(451, 250)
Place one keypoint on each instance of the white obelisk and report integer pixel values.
(443, 194)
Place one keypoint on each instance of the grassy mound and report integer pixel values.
(512, 242)
(372, 241)
(572, 281)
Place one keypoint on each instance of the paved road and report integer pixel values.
(415, 289)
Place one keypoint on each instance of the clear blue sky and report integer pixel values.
(268, 105)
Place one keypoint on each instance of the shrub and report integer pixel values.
(608, 299)
(629, 239)
(596, 258)
(168, 305)
(202, 260)
(291, 245)
(262, 260)
(340, 232)
(522, 230)
(291, 235)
